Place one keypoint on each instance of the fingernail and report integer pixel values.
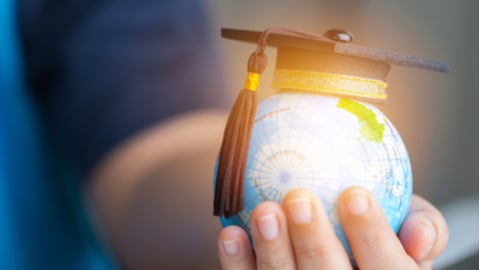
(300, 210)
(429, 232)
(267, 227)
(357, 202)
(230, 246)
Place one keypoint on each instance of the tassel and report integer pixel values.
(232, 161)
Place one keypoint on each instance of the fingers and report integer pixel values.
(313, 238)
(424, 233)
(234, 249)
(373, 242)
(270, 237)
(298, 235)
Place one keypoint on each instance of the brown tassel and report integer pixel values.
(236, 140)
(232, 161)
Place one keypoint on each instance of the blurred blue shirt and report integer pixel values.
(78, 77)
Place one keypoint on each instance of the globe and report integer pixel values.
(325, 144)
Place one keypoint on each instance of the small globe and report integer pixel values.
(325, 144)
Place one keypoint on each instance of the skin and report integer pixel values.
(151, 198)
(304, 239)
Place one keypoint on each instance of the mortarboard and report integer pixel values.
(328, 64)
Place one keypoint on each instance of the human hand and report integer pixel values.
(298, 235)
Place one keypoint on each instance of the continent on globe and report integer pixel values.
(371, 129)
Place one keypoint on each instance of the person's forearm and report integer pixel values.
(152, 196)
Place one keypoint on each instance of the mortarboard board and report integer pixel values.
(327, 64)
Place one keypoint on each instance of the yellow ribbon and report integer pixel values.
(329, 83)
(252, 82)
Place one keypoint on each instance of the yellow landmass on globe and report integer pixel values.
(370, 129)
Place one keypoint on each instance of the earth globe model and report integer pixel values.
(315, 132)
(325, 144)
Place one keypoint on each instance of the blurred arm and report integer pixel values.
(152, 196)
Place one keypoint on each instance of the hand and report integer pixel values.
(298, 235)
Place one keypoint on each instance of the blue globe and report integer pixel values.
(325, 144)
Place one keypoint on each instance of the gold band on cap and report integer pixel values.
(252, 82)
(329, 83)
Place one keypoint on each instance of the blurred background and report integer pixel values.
(163, 220)
(435, 113)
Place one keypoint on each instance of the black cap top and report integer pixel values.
(329, 64)
(335, 41)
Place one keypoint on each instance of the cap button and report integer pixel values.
(339, 35)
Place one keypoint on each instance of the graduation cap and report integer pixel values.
(328, 64)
